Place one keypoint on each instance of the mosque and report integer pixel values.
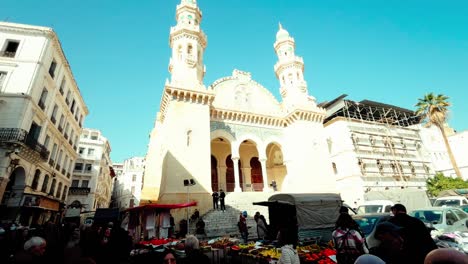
(233, 134)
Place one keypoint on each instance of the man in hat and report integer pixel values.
(417, 238)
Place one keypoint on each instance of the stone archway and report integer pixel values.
(275, 166)
(214, 174)
(15, 187)
(256, 174)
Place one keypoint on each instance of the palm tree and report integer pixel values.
(434, 109)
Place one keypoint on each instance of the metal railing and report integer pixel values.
(8, 54)
(79, 190)
(18, 135)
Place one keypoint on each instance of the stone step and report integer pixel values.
(219, 223)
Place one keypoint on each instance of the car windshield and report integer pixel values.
(367, 223)
(432, 216)
(447, 202)
(369, 209)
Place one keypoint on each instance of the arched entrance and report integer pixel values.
(256, 174)
(230, 183)
(15, 187)
(214, 174)
(276, 169)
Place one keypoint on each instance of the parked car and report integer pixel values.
(451, 201)
(368, 223)
(444, 219)
(375, 206)
(464, 208)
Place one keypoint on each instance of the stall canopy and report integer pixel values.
(313, 210)
(162, 206)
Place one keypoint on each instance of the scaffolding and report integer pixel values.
(387, 147)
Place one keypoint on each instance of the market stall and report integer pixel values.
(313, 214)
(151, 221)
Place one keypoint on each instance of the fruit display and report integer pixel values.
(222, 243)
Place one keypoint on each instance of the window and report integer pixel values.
(461, 215)
(89, 167)
(52, 187)
(133, 190)
(81, 151)
(94, 137)
(10, 49)
(54, 114)
(72, 107)
(64, 194)
(451, 218)
(35, 181)
(67, 100)
(60, 128)
(75, 183)
(43, 98)
(84, 184)
(78, 166)
(62, 86)
(2, 78)
(53, 66)
(54, 150)
(46, 142)
(59, 190)
(90, 151)
(45, 183)
(134, 177)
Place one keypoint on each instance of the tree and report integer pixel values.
(434, 108)
(440, 183)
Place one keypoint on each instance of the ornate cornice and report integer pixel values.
(246, 117)
(184, 95)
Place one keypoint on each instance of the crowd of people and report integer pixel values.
(68, 243)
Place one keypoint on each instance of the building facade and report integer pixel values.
(41, 117)
(128, 182)
(233, 135)
(380, 147)
(92, 182)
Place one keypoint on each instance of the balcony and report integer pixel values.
(79, 190)
(8, 54)
(19, 136)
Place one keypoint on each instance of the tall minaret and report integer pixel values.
(290, 72)
(188, 42)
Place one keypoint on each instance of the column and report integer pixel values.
(264, 175)
(237, 187)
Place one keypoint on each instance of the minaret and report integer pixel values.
(188, 43)
(290, 72)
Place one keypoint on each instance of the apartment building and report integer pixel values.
(92, 181)
(129, 182)
(41, 117)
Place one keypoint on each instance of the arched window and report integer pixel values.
(179, 52)
(35, 181)
(45, 183)
(59, 190)
(52, 187)
(189, 49)
(64, 194)
(290, 78)
(189, 137)
(335, 170)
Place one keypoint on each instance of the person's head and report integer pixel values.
(256, 216)
(244, 214)
(35, 245)
(287, 236)
(191, 243)
(398, 209)
(345, 221)
(220, 190)
(445, 256)
(168, 257)
(369, 259)
(344, 209)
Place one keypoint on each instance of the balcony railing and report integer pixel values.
(8, 54)
(18, 135)
(79, 190)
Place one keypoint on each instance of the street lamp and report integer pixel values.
(188, 183)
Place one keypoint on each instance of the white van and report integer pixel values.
(451, 201)
(375, 206)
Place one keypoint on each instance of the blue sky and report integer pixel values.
(388, 51)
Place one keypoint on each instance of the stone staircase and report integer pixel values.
(219, 223)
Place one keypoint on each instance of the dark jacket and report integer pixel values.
(196, 257)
